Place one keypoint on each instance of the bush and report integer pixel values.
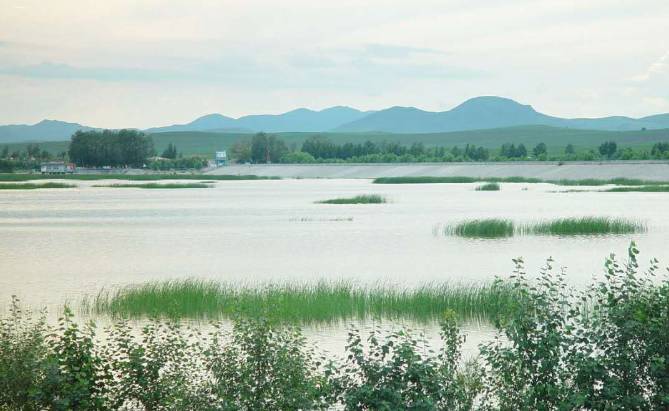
(394, 373)
(264, 366)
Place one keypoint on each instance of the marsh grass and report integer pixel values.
(644, 189)
(157, 185)
(485, 228)
(563, 182)
(501, 228)
(322, 302)
(130, 177)
(488, 187)
(32, 186)
(584, 226)
(361, 199)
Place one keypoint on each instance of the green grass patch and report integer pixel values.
(485, 228)
(584, 226)
(644, 189)
(157, 185)
(488, 187)
(361, 199)
(563, 182)
(31, 186)
(501, 228)
(130, 177)
(303, 303)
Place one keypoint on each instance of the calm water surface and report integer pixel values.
(58, 245)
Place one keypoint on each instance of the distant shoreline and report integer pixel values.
(550, 170)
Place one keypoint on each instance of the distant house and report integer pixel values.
(221, 158)
(57, 167)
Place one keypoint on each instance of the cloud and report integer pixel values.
(65, 71)
(659, 67)
(394, 51)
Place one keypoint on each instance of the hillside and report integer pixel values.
(479, 113)
(485, 113)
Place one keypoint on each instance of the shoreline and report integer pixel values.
(644, 170)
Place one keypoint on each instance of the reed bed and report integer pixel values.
(129, 177)
(485, 228)
(644, 189)
(157, 185)
(322, 302)
(501, 228)
(562, 182)
(32, 186)
(361, 199)
(584, 226)
(488, 187)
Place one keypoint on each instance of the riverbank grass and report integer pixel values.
(129, 177)
(361, 199)
(562, 182)
(32, 186)
(300, 302)
(643, 189)
(157, 185)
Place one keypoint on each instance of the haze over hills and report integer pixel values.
(479, 113)
(301, 119)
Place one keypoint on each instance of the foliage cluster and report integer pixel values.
(110, 148)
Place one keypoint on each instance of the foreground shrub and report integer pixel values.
(394, 373)
(604, 348)
(264, 366)
(23, 359)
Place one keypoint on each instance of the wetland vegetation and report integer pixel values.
(31, 186)
(325, 302)
(555, 348)
(157, 185)
(500, 228)
(360, 199)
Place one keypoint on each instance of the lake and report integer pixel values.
(62, 244)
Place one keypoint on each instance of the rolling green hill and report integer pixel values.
(206, 143)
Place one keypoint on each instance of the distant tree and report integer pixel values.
(521, 151)
(241, 151)
(5, 152)
(659, 150)
(45, 155)
(267, 148)
(570, 150)
(33, 150)
(6, 166)
(539, 150)
(608, 149)
(110, 148)
(170, 152)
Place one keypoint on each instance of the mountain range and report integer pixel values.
(478, 113)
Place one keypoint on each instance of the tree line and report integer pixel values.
(265, 148)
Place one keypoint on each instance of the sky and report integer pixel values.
(134, 63)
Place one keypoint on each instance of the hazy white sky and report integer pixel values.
(124, 63)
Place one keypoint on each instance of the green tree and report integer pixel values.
(608, 149)
(110, 148)
(539, 150)
(267, 148)
(570, 150)
(170, 152)
(5, 152)
(241, 151)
